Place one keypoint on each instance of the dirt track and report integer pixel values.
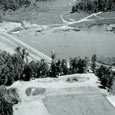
(83, 101)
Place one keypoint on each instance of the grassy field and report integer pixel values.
(86, 101)
(49, 12)
(107, 14)
(44, 13)
(75, 16)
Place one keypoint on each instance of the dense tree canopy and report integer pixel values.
(13, 4)
(94, 6)
(16, 67)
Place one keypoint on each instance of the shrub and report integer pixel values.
(38, 91)
(34, 91)
(29, 91)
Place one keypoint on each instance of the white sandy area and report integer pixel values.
(35, 107)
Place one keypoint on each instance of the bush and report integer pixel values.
(38, 91)
(34, 91)
(29, 91)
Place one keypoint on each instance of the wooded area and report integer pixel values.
(94, 6)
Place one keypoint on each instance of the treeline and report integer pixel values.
(93, 6)
(16, 67)
(16, 4)
(107, 77)
(13, 4)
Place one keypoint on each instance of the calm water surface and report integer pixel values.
(68, 44)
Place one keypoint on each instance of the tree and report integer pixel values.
(22, 53)
(81, 66)
(58, 67)
(18, 64)
(53, 72)
(34, 67)
(74, 65)
(105, 75)
(64, 67)
(5, 107)
(43, 69)
(27, 73)
(93, 62)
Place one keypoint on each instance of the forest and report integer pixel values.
(93, 6)
(15, 4)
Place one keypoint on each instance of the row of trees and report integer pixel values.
(16, 67)
(106, 76)
(94, 6)
(41, 69)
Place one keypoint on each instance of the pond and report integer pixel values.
(66, 44)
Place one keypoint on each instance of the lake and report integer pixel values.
(66, 44)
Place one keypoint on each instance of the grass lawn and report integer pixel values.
(75, 16)
(107, 14)
(45, 13)
(84, 103)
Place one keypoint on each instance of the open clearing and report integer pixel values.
(45, 13)
(63, 98)
(80, 101)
